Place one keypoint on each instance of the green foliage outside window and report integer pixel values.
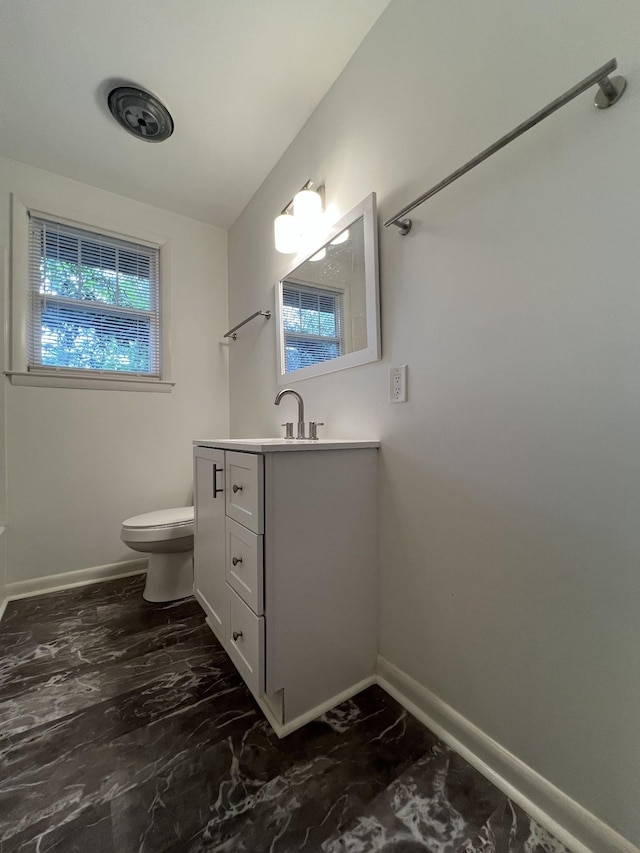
(94, 301)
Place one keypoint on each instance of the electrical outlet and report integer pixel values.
(398, 384)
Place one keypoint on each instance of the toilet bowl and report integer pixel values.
(167, 537)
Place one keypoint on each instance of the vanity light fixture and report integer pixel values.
(307, 209)
(300, 220)
(286, 234)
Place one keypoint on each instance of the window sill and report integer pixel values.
(94, 383)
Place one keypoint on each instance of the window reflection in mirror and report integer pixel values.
(328, 304)
(313, 323)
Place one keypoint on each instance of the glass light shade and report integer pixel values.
(341, 238)
(307, 209)
(286, 232)
(319, 256)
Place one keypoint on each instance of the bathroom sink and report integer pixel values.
(270, 445)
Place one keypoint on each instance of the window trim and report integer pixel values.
(19, 304)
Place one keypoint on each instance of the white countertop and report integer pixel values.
(272, 445)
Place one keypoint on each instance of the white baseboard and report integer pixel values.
(82, 577)
(563, 817)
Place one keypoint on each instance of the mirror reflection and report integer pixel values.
(323, 302)
(328, 304)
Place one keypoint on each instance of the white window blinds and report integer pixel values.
(313, 321)
(94, 302)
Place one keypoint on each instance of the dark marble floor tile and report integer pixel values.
(178, 801)
(94, 769)
(440, 803)
(135, 612)
(245, 793)
(90, 832)
(77, 601)
(60, 695)
(189, 678)
(510, 830)
(371, 738)
(11, 642)
(326, 774)
(125, 728)
(56, 648)
(234, 812)
(168, 676)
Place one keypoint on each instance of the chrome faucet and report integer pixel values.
(295, 394)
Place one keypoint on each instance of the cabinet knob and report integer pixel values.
(236, 635)
(236, 560)
(237, 488)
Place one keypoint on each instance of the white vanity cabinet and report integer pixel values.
(209, 540)
(286, 567)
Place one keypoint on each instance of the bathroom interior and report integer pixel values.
(489, 526)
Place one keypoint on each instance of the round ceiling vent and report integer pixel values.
(141, 113)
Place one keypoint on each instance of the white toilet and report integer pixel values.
(167, 536)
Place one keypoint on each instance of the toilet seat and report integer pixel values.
(159, 526)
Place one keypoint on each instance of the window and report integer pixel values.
(313, 321)
(94, 303)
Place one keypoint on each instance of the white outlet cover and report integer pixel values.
(398, 384)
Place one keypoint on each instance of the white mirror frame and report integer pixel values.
(368, 212)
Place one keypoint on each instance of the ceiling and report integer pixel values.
(240, 78)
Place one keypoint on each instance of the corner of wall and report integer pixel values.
(4, 278)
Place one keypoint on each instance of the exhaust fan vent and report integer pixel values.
(140, 113)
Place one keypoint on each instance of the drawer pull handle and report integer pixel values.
(237, 488)
(236, 636)
(236, 560)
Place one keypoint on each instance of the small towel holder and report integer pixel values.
(232, 333)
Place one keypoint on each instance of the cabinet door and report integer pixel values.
(209, 543)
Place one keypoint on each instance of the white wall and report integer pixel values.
(81, 461)
(509, 482)
(4, 271)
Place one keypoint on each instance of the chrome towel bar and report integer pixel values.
(232, 332)
(610, 91)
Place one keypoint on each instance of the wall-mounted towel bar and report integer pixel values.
(232, 332)
(610, 92)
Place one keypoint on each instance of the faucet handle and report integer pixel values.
(313, 429)
(288, 429)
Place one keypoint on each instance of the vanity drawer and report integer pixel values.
(245, 643)
(244, 562)
(245, 491)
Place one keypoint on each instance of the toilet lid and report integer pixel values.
(162, 518)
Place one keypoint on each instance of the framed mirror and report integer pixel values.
(328, 304)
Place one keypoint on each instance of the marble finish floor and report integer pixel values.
(124, 727)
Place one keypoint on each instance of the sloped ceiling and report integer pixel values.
(240, 78)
